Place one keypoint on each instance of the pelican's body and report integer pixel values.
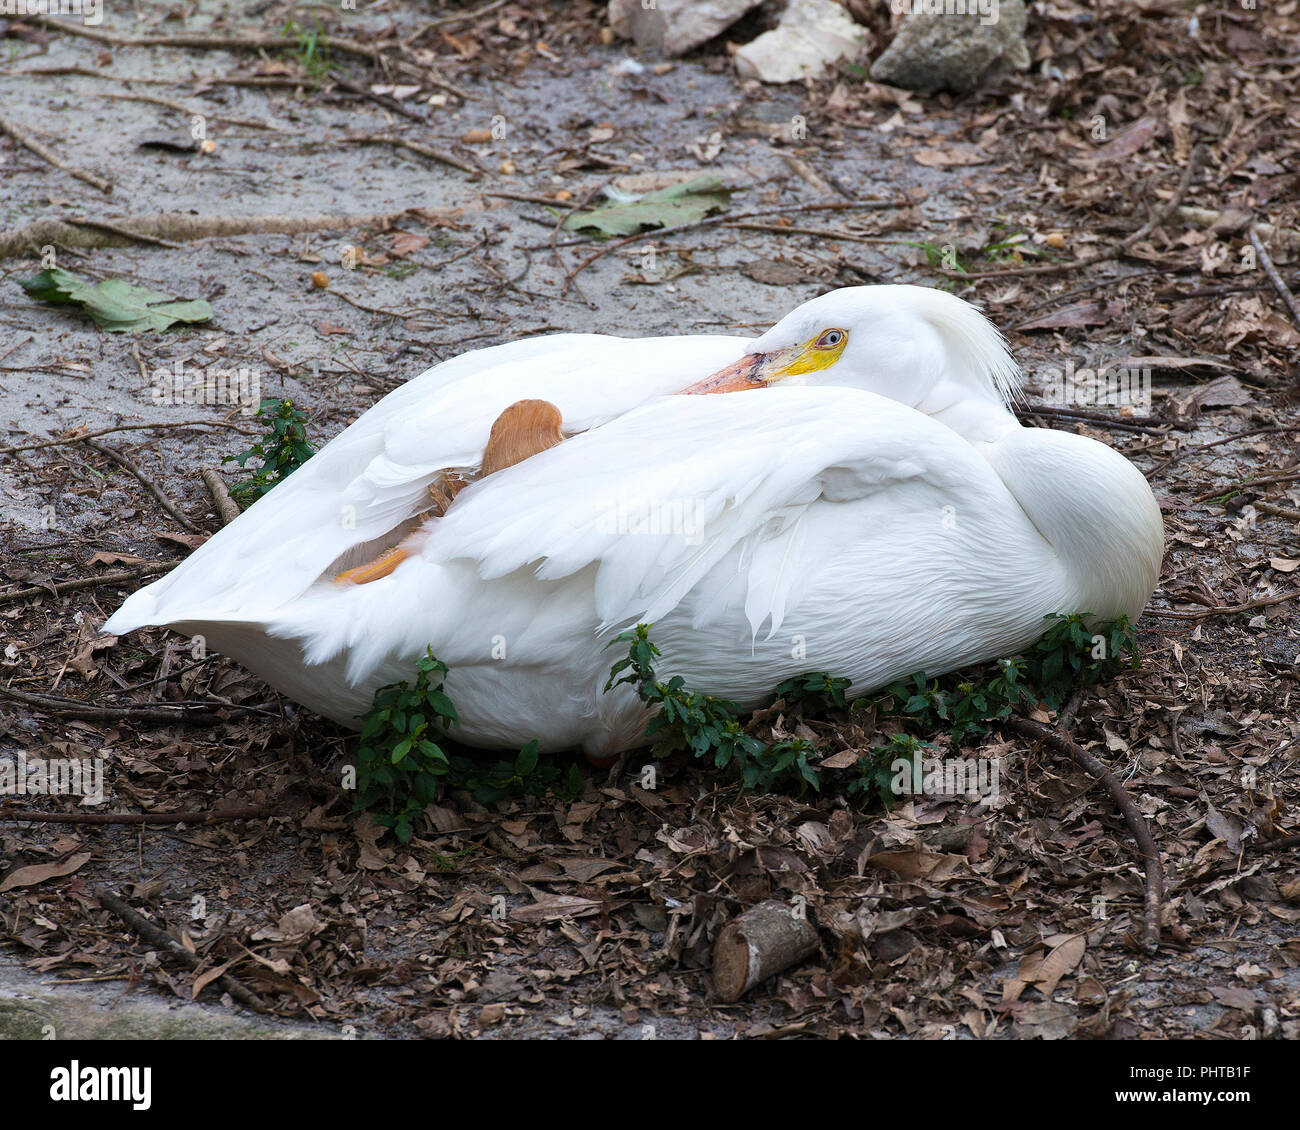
(877, 511)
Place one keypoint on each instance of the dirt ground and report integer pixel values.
(594, 918)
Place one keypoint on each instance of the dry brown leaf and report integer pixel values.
(1046, 1021)
(949, 156)
(1025, 976)
(189, 541)
(203, 980)
(1098, 313)
(583, 869)
(404, 242)
(1223, 392)
(43, 872)
(1128, 141)
(1062, 959)
(549, 908)
(914, 865)
(105, 558)
(1091, 992)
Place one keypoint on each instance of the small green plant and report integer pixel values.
(817, 690)
(708, 725)
(945, 258)
(310, 52)
(1010, 243)
(874, 772)
(400, 763)
(282, 450)
(1069, 655)
(530, 773)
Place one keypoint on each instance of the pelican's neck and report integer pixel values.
(1095, 510)
(978, 420)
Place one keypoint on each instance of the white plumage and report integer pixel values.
(876, 513)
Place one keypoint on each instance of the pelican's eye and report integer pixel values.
(830, 339)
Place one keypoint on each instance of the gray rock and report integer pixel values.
(675, 26)
(949, 46)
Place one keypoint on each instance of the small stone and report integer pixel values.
(675, 26)
(954, 51)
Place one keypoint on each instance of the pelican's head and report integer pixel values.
(922, 347)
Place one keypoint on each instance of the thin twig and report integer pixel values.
(1155, 882)
(148, 483)
(1180, 456)
(76, 438)
(151, 712)
(208, 42)
(1152, 425)
(179, 107)
(379, 99)
(117, 229)
(16, 345)
(534, 198)
(157, 936)
(457, 17)
(163, 678)
(1277, 511)
(414, 147)
(1276, 845)
(177, 225)
(1027, 316)
(1226, 610)
(1287, 476)
(373, 55)
(1276, 279)
(369, 309)
(59, 588)
(820, 233)
(47, 154)
(164, 819)
(560, 221)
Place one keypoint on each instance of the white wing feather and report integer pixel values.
(772, 486)
(657, 498)
(373, 476)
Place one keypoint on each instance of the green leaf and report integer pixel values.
(115, 304)
(677, 204)
(526, 762)
(442, 705)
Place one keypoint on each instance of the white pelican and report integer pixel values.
(863, 502)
